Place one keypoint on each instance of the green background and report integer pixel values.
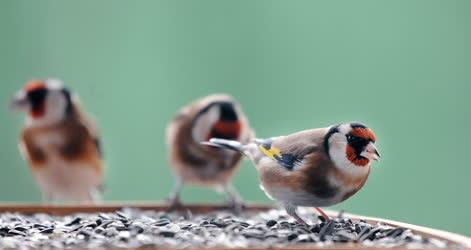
(402, 67)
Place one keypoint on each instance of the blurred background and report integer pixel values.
(402, 67)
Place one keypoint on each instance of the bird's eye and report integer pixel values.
(349, 137)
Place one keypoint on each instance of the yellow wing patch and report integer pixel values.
(286, 160)
(272, 152)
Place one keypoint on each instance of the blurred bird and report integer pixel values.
(60, 142)
(312, 168)
(214, 116)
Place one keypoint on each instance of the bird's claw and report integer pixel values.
(175, 204)
(237, 207)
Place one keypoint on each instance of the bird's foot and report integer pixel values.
(323, 214)
(175, 204)
(237, 207)
(291, 210)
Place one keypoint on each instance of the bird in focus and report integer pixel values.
(311, 168)
(60, 142)
(214, 116)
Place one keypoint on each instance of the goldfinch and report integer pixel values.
(60, 142)
(312, 168)
(214, 116)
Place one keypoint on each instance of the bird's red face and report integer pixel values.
(222, 129)
(32, 99)
(228, 126)
(360, 148)
(45, 101)
(36, 92)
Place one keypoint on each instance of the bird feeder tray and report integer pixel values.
(67, 211)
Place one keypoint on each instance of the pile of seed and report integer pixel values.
(132, 228)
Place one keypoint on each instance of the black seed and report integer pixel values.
(47, 231)
(316, 228)
(16, 232)
(74, 222)
(253, 233)
(327, 229)
(99, 230)
(346, 221)
(218, 223)
(121, 215)
(369, 235)
(4, 229)
(408, 239)
(39, 226)
(364, 231)
(271, 223)
(106, 223)
(92, 225)
(285, 224)
(121, 228)
(21, 229)
(292, 237)
(168, 234)
(98, 221)
(162, 222)
(76, 228)
(358, 228)
(321, 218)
(395, 232)
(244, 224)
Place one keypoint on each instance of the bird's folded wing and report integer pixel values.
(89, 123)
(290, 151)
(91, 127)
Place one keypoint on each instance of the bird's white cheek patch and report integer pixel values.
(337, 149)
(56, 105)
(204, 123)
(338, 154)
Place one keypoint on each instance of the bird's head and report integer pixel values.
(219, 117)
(45, 101)
(351, 145)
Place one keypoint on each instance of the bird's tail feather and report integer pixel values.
(225, 144)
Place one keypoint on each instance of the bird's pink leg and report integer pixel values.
(326, 217)
(291, 210)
